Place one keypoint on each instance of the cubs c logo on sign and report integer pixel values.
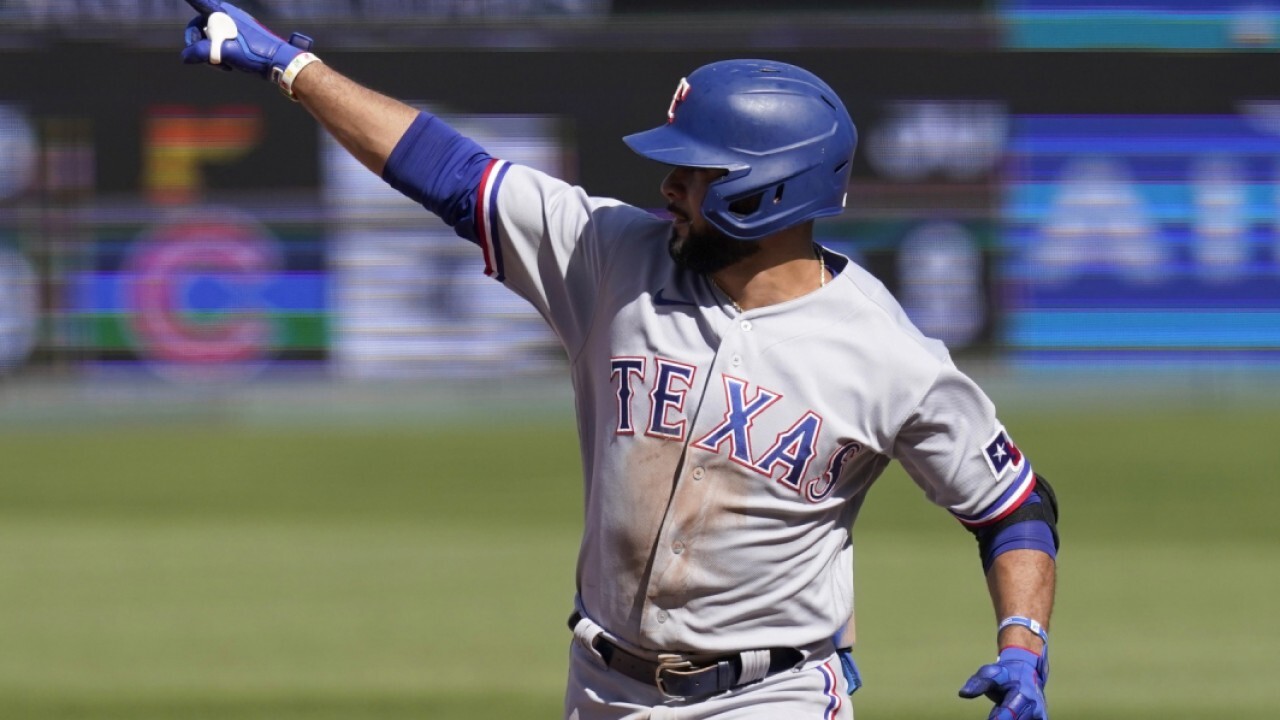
(196, 295)
(682, 92)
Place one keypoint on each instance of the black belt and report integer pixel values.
(684, 679)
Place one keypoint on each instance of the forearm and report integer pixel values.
(366, 123)
(415, 152)
(1022, 582)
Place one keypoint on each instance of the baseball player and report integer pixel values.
(738, 389)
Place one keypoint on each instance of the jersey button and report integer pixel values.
(736, 360)
(677, 547)
(662, 616)
(698, 473)
(746, 326)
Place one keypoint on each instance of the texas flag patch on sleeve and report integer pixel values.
(1014, 480)
(1002, 454)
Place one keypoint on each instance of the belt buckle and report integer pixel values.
(669, 662)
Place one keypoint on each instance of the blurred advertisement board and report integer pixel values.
(209, 231)
(410, 296)
(164, 281)
(923, 216)
(196, 295)
(1151, 238)
(1142, 24)
(79, 13)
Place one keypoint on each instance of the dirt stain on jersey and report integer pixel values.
(643, 503)
(702, 512)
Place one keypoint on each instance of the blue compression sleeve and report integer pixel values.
(441, 168)
(1025, 535)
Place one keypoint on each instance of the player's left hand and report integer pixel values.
(1014, 682)
(226, 36)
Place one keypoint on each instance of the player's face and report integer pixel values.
(696, 244)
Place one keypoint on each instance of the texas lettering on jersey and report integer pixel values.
(789, 455)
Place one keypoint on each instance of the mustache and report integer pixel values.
(676, 212)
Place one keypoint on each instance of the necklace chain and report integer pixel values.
(822, 280)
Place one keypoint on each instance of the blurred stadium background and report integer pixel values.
(273, 447)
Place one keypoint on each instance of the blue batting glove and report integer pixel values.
(1014, 682)
(226, 36)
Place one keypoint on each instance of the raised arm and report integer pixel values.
(545, 239)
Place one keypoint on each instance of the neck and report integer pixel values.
(786, 268)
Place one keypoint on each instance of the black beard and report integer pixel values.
(708, 251)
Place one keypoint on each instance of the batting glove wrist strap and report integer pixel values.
(284, 77)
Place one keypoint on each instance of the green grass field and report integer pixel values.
(207, 570)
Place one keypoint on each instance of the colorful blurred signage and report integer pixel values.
(1143, 237)
(204, 295)
(1142, 24)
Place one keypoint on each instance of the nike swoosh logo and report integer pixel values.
(659, 300)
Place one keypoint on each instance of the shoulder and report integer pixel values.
(874, 307)
(525, 187)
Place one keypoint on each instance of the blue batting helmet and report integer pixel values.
(782, 134)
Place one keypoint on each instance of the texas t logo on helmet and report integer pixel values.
(682, 92)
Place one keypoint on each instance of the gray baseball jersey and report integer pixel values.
(725, 455)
